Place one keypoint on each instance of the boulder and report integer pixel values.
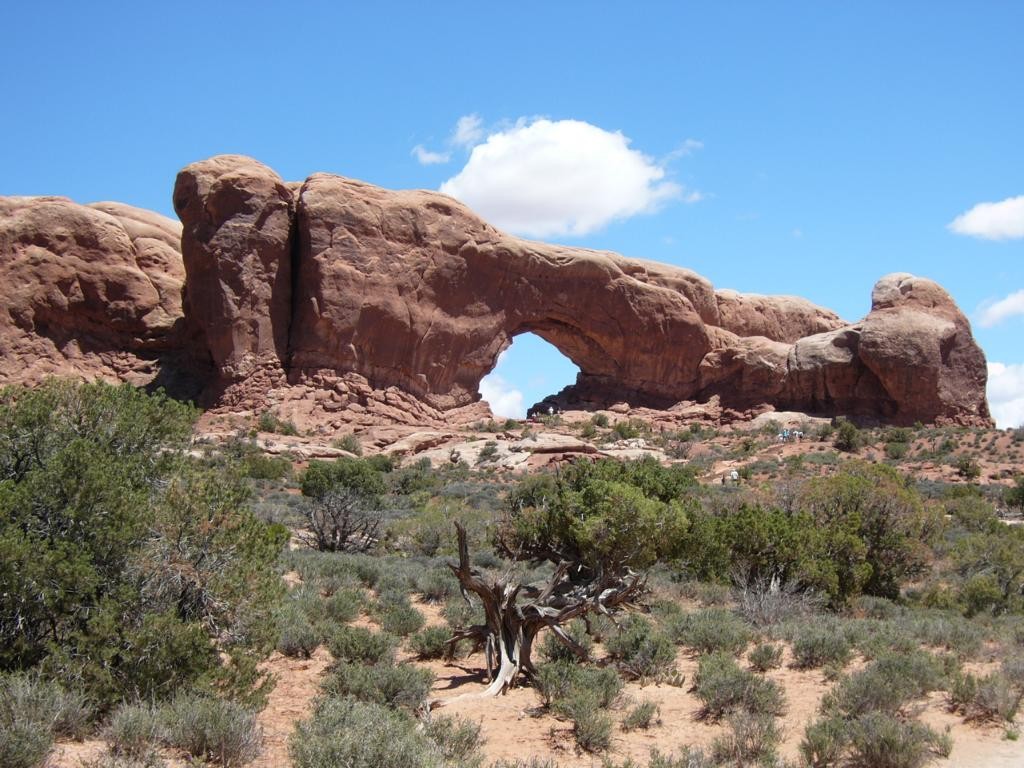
(86, 290)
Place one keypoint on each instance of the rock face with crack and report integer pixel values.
(400, 302)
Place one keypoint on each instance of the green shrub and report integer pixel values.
(355, 734)
(815, 645)
(430, 643)
(460, 614)
(348, 443)
(297, 638)
(752, 740)
(259, 466)
(724, 688)
(401, 620)
(968, 468)
(996, 696)
(554, 681)
(133, 730)
(639, 649)
(847, 437)
(554, 649)
(32, 713)
(949, 631)
(896, 451)
(765, 656)
(24, 744)
(710, 630)
(436, 585)
(211, 729)
(642, 716)
(458, 740)
(120, 560)
(360, 476)
(879, 740)
(824, 742)
(268, 422)
(343, 606)
(886, 685)
(591, 728)
(400, 685)
(559, 681)
(358, 644)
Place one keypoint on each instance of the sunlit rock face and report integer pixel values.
(405, 300)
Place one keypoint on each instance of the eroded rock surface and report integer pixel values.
(344, 303)
(86, 290)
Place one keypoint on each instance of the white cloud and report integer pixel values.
(1006, 394)
(469, 129)
(993, 221)
(505, 401)
(685, 149)
(425, 157)
(994, 312)
(542, 178)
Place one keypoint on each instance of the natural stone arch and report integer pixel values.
(411, 290)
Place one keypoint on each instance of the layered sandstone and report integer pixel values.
(352, 302)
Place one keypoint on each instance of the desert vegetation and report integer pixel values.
(151, 584)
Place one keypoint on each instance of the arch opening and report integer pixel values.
(527, 371)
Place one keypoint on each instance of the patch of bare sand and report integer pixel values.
(291, 700)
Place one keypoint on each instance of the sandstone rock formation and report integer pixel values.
(346, 301)
(87, 290)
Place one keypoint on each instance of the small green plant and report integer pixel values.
(268, 422)
(710, 630)
(896, 451)
(752, 740)
(134, 730)
(553, 649)
(968, 468)
(642, 716)
(344, 606)
(558, 681)
(848, 438)
(640, 650)
(724, 688)
(815, 645)
(298, 638)
(457, 740)
(355, 734)
(430, 643)
(882, 741)
(488, 453)
(436, 585)
(399, 685)
(210, 729)
(765, 656)
(824, 742)
(591, 728)
(886, 685)
(401, 620)
(32, 713)
(348, 443)
(358, 644)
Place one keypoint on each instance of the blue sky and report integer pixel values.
(804, 148)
